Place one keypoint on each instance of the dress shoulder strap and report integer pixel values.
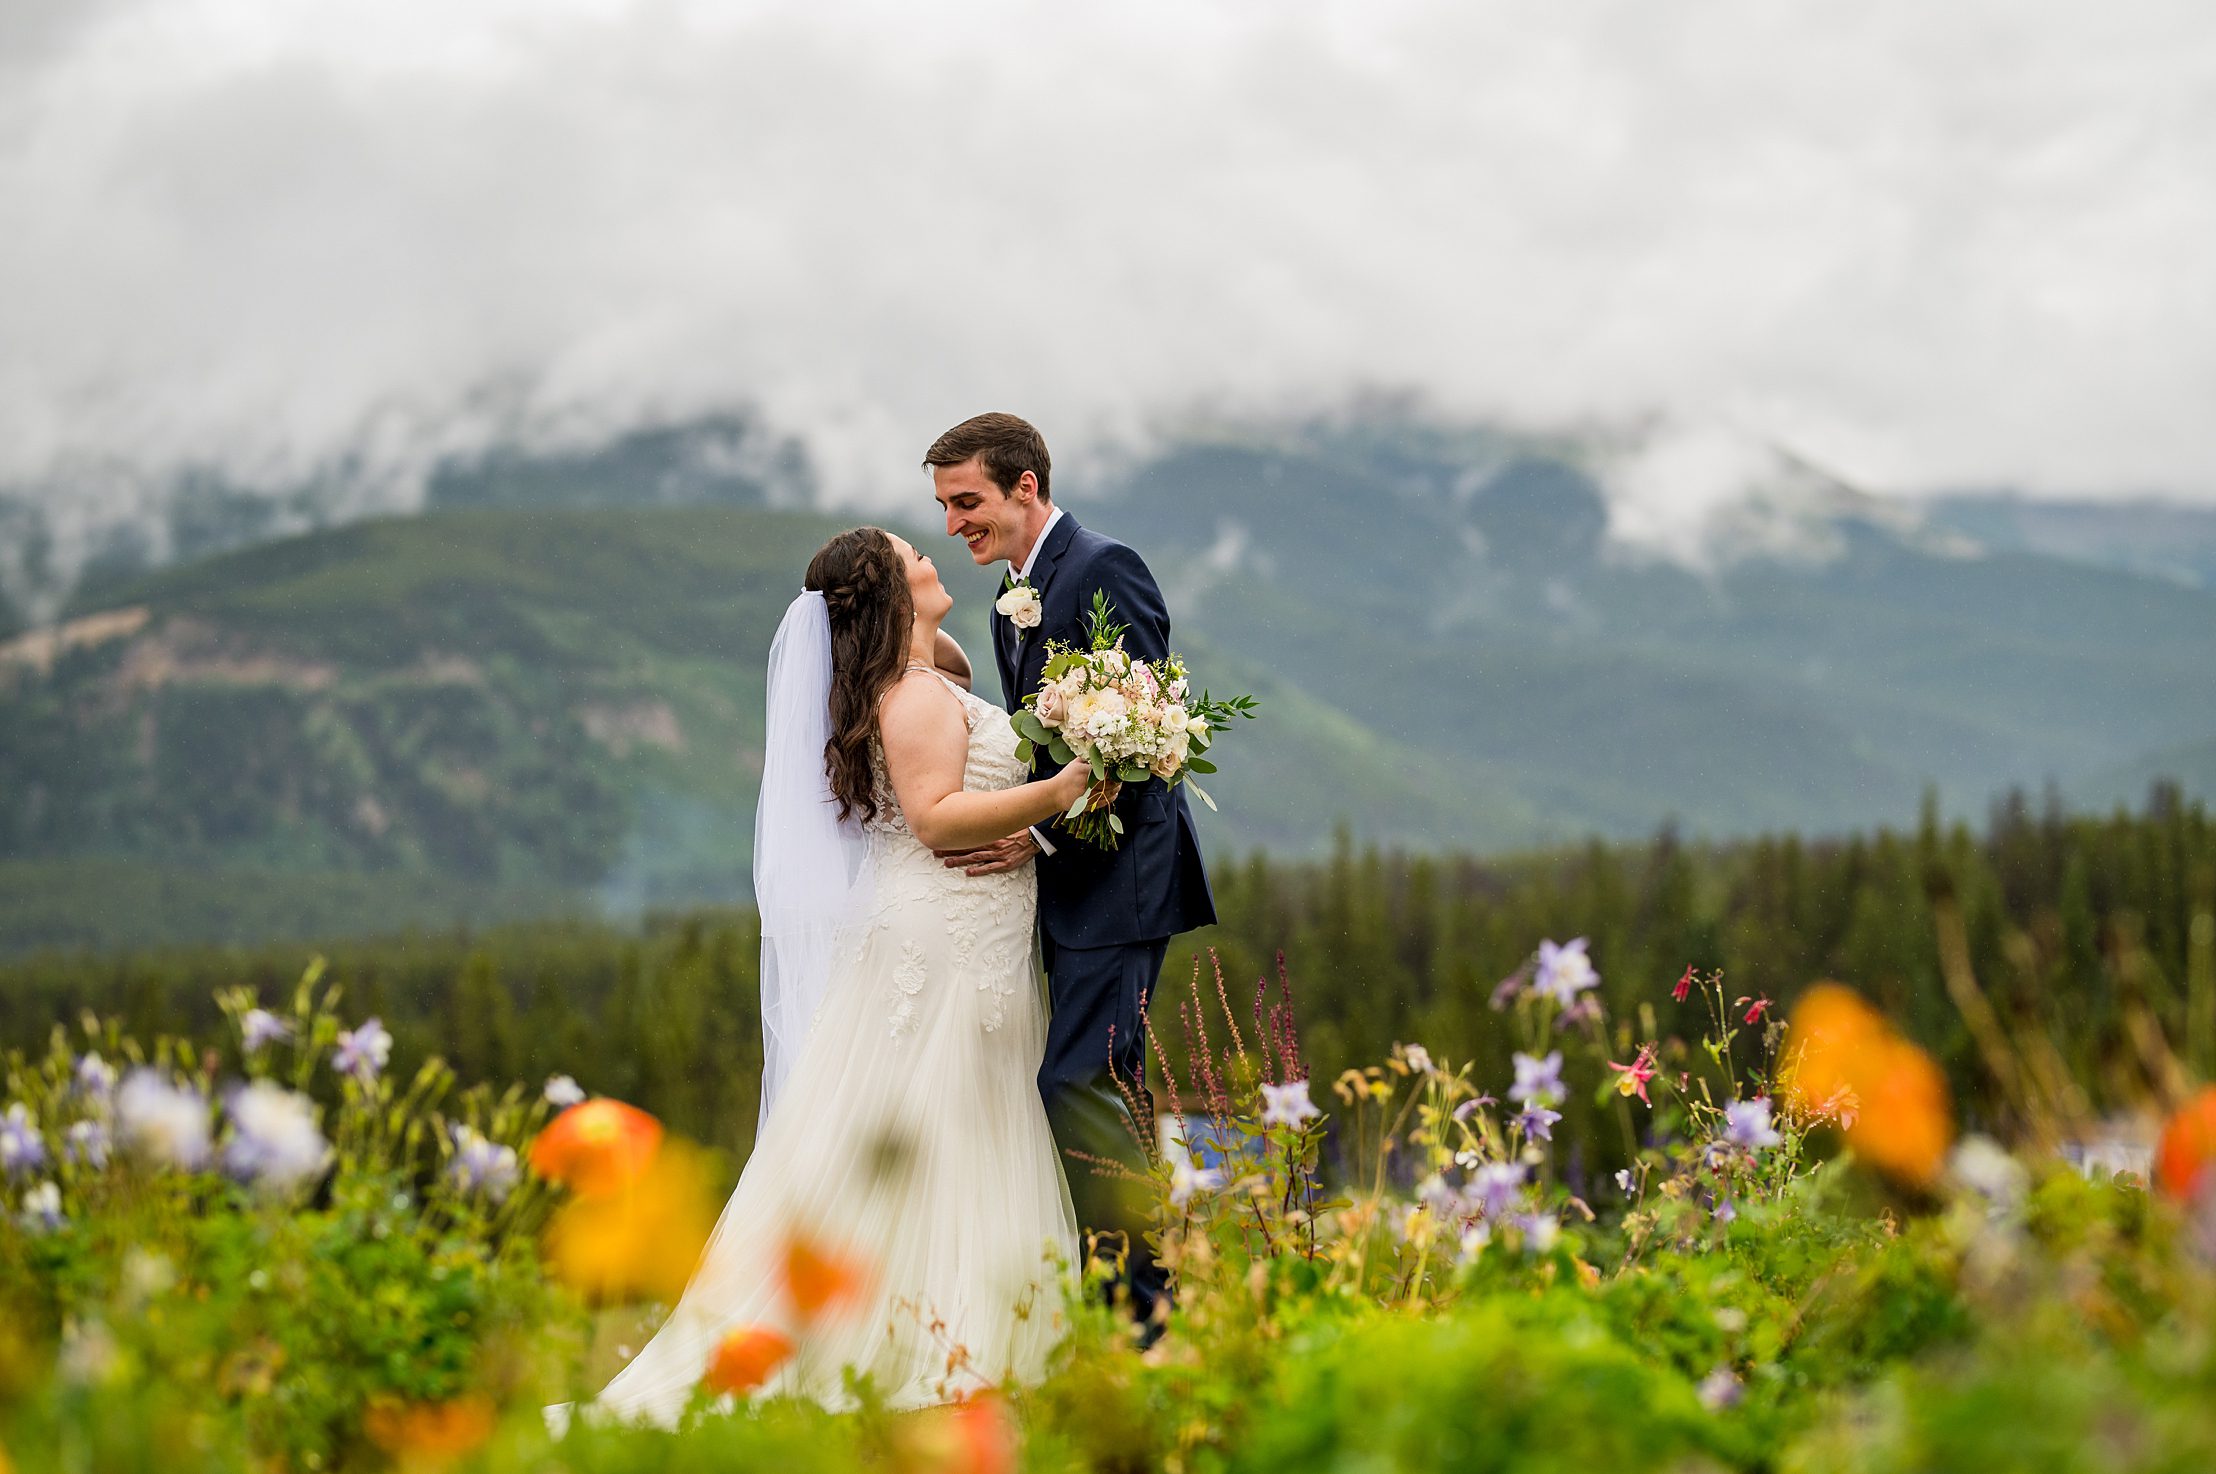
(930, 670)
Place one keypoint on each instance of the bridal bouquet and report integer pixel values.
(1130, 719)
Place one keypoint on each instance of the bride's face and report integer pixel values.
(931, 599)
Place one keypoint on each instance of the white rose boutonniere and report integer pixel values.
(1021, 606)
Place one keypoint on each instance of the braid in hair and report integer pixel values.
(865, 591)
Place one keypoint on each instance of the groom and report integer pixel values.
(1106, 916)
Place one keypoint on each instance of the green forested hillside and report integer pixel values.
(493, 710)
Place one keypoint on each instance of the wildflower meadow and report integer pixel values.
(265, 1250)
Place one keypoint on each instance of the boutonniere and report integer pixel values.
(1021, 605)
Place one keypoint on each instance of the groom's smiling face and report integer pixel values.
(996, 526)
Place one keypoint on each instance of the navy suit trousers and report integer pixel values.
(1095, 1039)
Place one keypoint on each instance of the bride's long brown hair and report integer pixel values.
(865, 589)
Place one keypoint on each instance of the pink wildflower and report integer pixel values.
(1760, 1006)
(1684, 986)
(1636, 1074)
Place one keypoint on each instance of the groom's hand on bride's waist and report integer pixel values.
(1002, 854)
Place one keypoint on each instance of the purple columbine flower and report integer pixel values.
(1747, 1125)
(22, 1148)
(1725, 1211)
(1720, 1390)
(363, 1051)
(274, 1142)
(562, 1092)
(1496, 1187)
(1540, 1230)
(1623, 1180)
(1538, 1122)
(1472, 1106)
(1537, 1079)
(260, 1028)
(162, 1121)
(95, 1080)
(1288, 1105)
(481, 1165)
(1563, 972)
(87, 1144)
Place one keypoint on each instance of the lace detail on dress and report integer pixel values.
(974, 908)
(907, 988)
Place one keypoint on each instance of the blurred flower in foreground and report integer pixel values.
(363, 1051)
(597, 1147)
(1563, 972)
(1747, 1125)
(274, 1142)
(562, 1092)
(1288, 1105)
(162, 1122)
(639, 1239)
(95, 1080)
(423, 1434)
(1186, 1180)
(86, 1143)
(974, 1437)
(42, 1208)
(1720, 1390)
(22, 1149)
(481, 1165)
(818, 1280)
(2185, 1158)
(260, 1028)
(1496, 1188)
(745, 1359)
(1843, 1047)
(1537, 1079)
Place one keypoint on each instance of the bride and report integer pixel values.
(903, 1028)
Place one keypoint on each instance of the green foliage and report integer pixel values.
(383, 1315)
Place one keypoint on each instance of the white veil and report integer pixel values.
(809, 877)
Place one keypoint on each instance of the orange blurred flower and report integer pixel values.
(818, 1280)
(1842, 1050)
(428, 1433)
(597, 1146)
(640, 1241)
(973, 1437)
(744, 1360)
(2186, 1155)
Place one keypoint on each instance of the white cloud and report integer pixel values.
(1922, 244)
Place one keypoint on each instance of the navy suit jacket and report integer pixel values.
(1154, 885)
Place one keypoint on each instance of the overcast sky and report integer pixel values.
(1925, 243)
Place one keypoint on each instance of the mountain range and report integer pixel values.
(544, 690)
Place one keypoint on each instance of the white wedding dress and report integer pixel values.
(908, 1137)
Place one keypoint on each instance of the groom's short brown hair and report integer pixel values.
(1005, 446)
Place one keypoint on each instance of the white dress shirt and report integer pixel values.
(1054, 515)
